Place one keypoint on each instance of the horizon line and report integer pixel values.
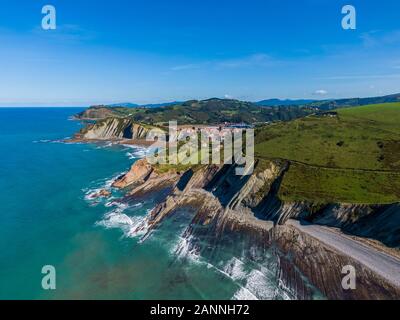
(85, 105)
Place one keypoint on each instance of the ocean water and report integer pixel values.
(47, 217)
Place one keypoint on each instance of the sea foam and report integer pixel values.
(131, 226)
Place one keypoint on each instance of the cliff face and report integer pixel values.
(380, 222)
(114, 128)
(246, 210)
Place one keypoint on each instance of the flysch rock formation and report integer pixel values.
(222, 204)
(110, 129)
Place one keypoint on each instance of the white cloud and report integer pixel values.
(320, 92)
(255, 60)
(378, 38)
(185, 67)
(362, 77)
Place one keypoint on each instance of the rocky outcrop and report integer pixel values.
(138, 174)
(100, 194)
(216, 194)
(114, 128)
(189, 191)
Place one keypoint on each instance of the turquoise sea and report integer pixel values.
(48, 218)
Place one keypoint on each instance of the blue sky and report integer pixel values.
(154, 51)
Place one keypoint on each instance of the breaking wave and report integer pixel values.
(131, 226)
(92, 194)
(184, 249)
(254, 282)
(135, 152)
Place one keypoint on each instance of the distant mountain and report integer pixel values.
(320, 104)
(353, 102)
(331, 103)
(124, 104)
(286, 102)
(150, 105)
(159, 105)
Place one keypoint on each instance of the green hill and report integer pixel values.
(350, 155)
(353, 102)
(210, 111)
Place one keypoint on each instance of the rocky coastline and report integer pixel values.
(223, 205)
(247, 209)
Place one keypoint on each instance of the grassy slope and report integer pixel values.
(354, 157)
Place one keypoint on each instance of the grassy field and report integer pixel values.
(353, 156)
(322, 185)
